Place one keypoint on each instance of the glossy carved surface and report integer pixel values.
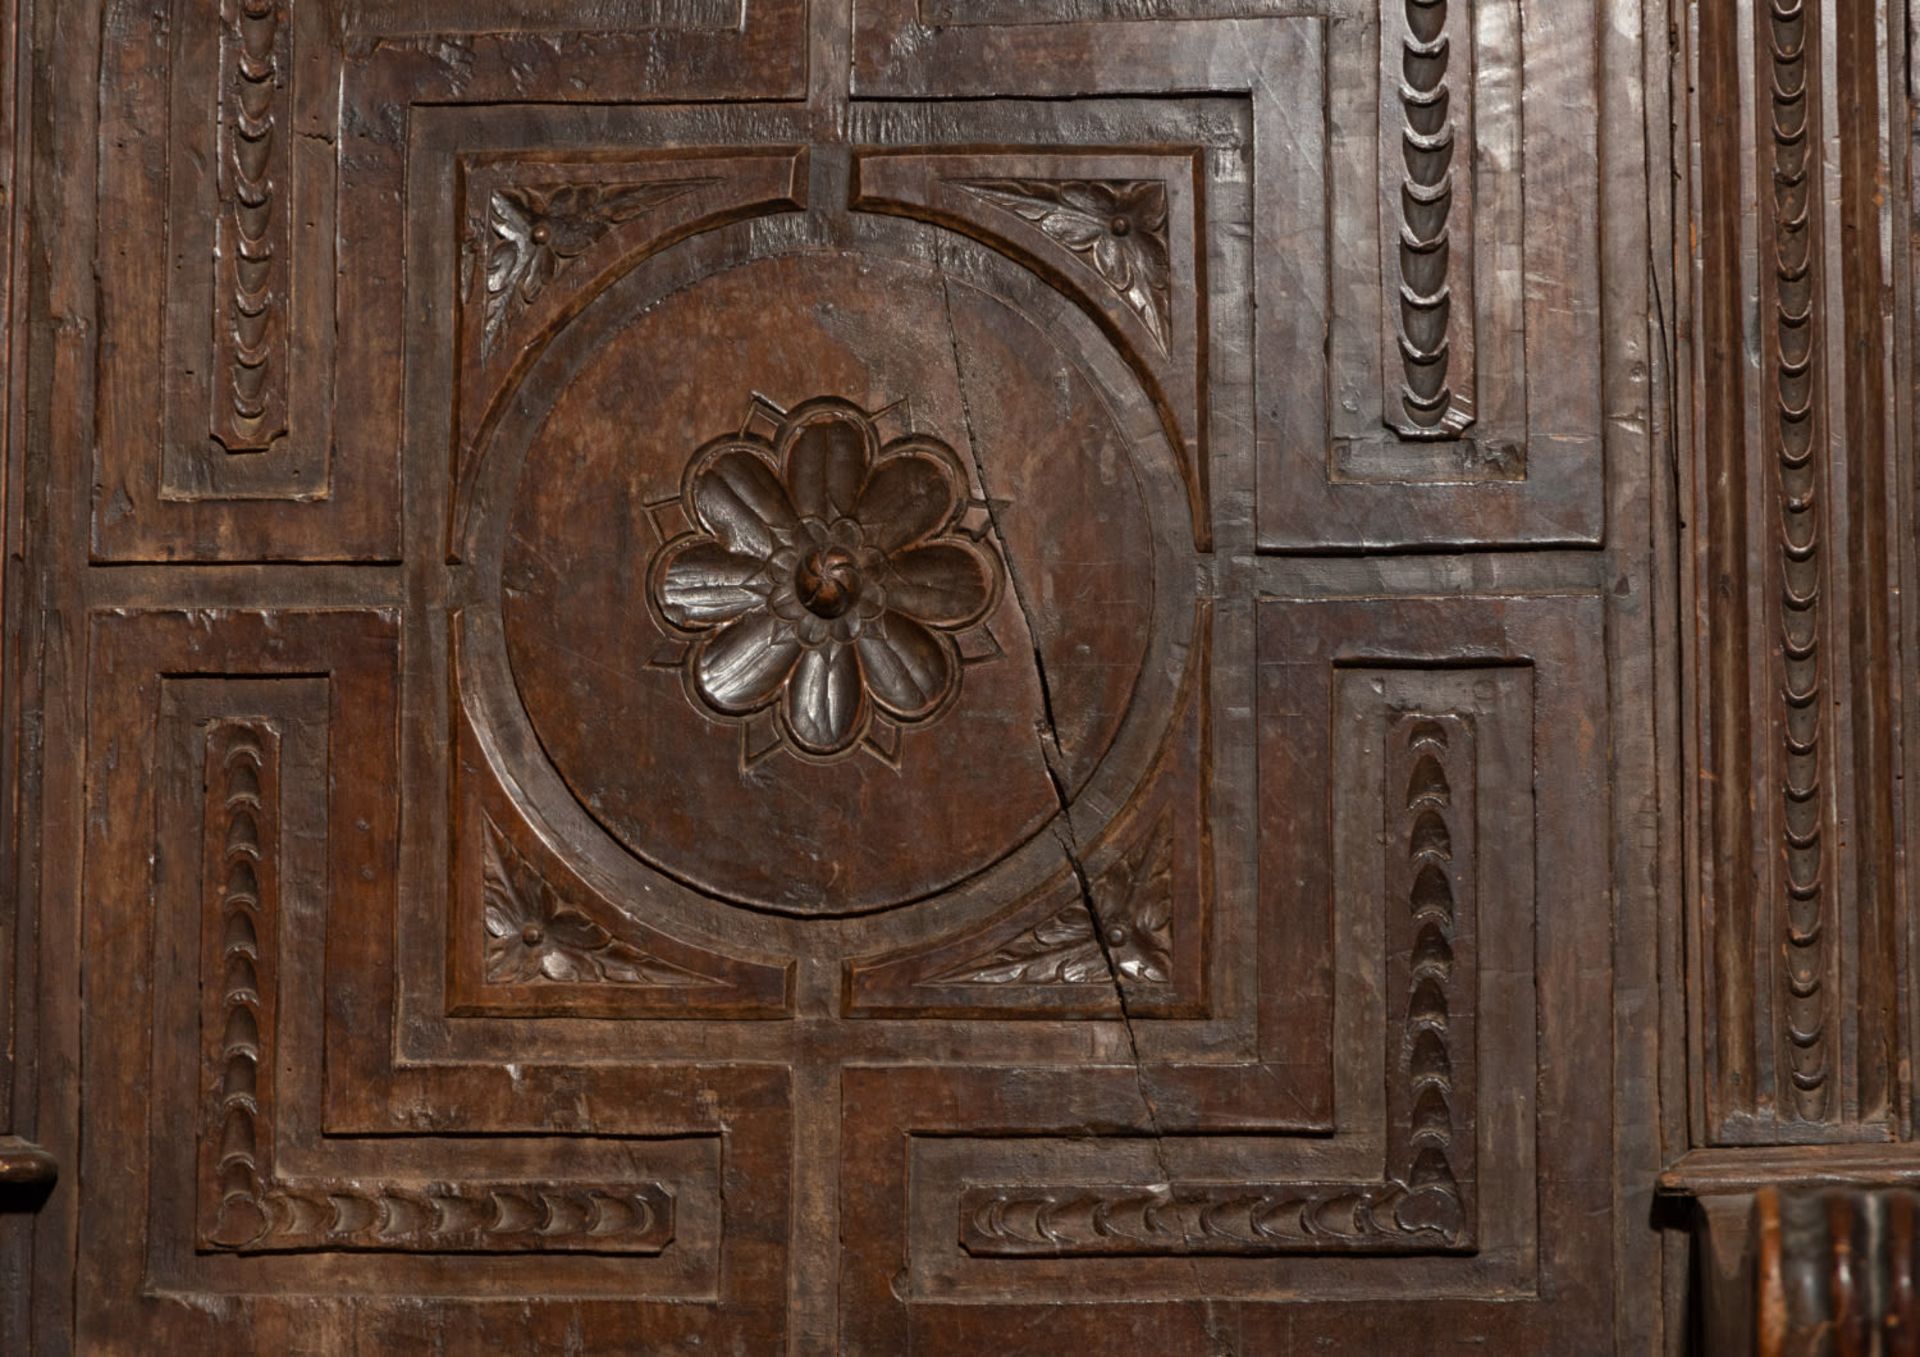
(827, 578)
(937, 676)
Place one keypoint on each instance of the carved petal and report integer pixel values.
(702, 583)
(510, 961)
(564, 964)
(943, 585)
(741, 501)
(568, 927)
(741, 667)
(537, 273)
(1114, 261)
(826, 704)
(908, 669)
(827, 463)
(908, 497)
(1075, 230)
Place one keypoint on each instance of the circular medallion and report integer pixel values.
(826, 579)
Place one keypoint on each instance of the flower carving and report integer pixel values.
(1119, 226)
(534, 231)
(827, 578)
(536, 935)
(1133, 900)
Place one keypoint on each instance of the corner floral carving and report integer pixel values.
(535, 935)
(532, 232)
(1134, 900)
(1119, 226)
(828, 580)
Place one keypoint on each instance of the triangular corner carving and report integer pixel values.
(534, 934)
(1134, 901)
(1117, 226)
(531, 233)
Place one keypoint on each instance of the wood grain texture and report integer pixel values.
(938, 675)
(1798, 958)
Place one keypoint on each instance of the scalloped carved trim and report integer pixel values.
(1227, 1218)
(251, 257)
(1421, 1202)
(1426, 228)
(245, 1207)
(1799, 490)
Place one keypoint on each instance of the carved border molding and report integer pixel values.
(245, 1205)
(1424, 1201)
(1426, 216)
(253, 247)
(1796, 947)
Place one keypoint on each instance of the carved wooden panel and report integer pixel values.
(1410, 273)
(1797, 926)
(1393, 736)
(246, 152)
(718, 701)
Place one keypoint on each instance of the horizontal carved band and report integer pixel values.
(1230, 1218)
(515, 1217)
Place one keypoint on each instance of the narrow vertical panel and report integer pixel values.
(1794, 816)
(1863, 411)
(240, 868)
(253, 246)
(1426, 217)
(1430, 824)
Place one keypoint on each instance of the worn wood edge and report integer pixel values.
(1723, 1172)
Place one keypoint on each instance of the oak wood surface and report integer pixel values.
(881, 676)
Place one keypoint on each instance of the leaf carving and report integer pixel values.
(1118, 226)
(1134, 899)
(535, 935)
(532, 232)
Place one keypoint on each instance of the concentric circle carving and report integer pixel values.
(824, 579)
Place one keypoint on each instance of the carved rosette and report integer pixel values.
(827, 579)
(1118, 226)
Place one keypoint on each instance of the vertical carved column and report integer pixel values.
(1796, 429)
(241, 872)
(252, 246)
(1426, 216)
(1430, 967)
(1798, 954)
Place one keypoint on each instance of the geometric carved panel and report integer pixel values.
(270, 887)
(1410, 277)
(1407, 747)
(250, 150)
(778, 810)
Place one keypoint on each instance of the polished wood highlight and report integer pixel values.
(1211, 677)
